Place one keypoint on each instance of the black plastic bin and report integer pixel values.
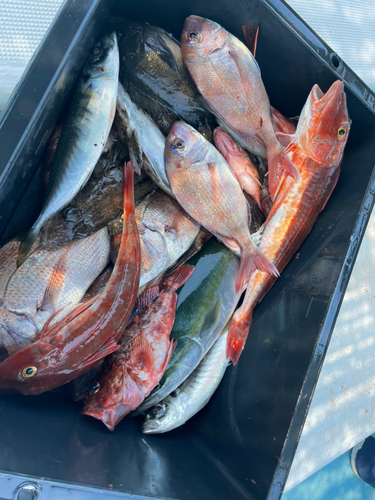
(242, 444)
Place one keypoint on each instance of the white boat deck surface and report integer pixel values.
(342, 411)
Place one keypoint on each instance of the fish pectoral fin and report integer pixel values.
(147, 297)
(251, 37)
(55, 284)
(141, 357)
(284, 139)
(212, 318)
(162, 50)
(107, 348)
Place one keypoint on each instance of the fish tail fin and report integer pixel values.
(178, 277)
(279, 161)
(128, 189)
(253, 259)
(238, 332)
(27, 243)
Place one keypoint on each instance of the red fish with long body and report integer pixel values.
(316, 149)
(91, 331)
(145, 350)
(228, 77)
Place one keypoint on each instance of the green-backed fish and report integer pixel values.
(192, 395)
(84, 134)
(205, 304)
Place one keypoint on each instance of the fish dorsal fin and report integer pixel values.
(251, 37)
(147, 297)
(180, 276)
(161, 49)
(284, 139)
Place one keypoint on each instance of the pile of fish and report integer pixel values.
(118, 294)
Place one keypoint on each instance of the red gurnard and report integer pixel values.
(145, 350)
(91, 331)
(229, 79)
(240, 163)
(316, 149)
(207, 189)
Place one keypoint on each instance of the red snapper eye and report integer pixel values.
(193, 37)
(178, 145)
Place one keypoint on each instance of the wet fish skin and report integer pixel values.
(153, 72)
(99, 202)
(283, 124)
(84, 135)
(145, 140)
(317, 150)
(90, 332)
(240, 163)
(207, 189)
(24, 310)
(144, 352)
(229, 80)
(191, 396)
(205, 304)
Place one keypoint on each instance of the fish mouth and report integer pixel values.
(151, 427)
(108, 417)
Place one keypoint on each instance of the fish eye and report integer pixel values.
(97, 51)
(178, 145)
(28, 372)
(341, 133)
(193, 37)
(94, 388)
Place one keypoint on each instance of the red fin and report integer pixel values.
(253, 259)
(238, 332)
(141, 354)
(147, 296)
(279, 161)
(178, 277)
(46, 331)
(251, 36)
(284, 139)
(55, 283)
(109, 346)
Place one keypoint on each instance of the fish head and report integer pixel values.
(104, 59)
(324, 125)
(157, 419)
(184, 147)
(201, 36)
(27, 371)
(227, 146)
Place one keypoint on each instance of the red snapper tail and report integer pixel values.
(278, 162)
(252, 258)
